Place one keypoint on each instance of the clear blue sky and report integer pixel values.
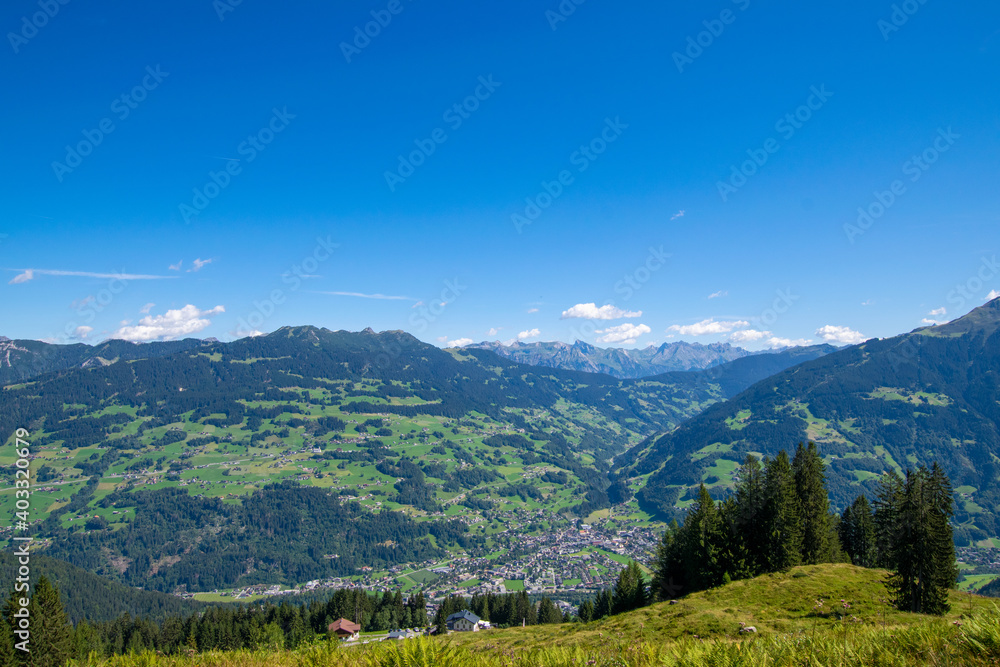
(664, 122)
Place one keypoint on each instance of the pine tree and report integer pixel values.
(888, 498)
(702, 543)
(630, 590)
(782, 522)
(668, 565)
(748, 522)
(8, 658)
(547, 612)
(602, 605)
(586, 611)
(51, 633)
(923, 550)
(814, 504)
(857, 533)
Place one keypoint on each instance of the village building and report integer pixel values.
(344, 629)
(463, 621)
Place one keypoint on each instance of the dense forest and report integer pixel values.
(248, 543)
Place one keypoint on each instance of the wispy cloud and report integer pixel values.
(532, 310)
(199, 264)
(748, 335)
(494, 331)
(459, 342)
(678, 214)
(360, 295)
(992, 295)
(176, 267)
(31, 274)
(145, 309)
(719, 294)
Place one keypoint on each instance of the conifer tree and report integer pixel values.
(888, 498)
(668, 566)
(782, 522)
(602, 605)
(814, 504)
(51, 633)
(630, 590)
(586, 611)
(547, 612)
(8, 658)
(923, 550)
(702, 543)
(751, 499)
(857, 533)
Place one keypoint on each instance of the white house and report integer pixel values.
(463, 621)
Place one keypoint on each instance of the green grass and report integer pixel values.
(513, 585)
(700, 630)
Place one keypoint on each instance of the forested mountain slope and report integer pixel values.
(929, 395)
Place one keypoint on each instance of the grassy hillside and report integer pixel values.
(699, 630)
(776, 604)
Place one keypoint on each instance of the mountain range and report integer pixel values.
(618, 362)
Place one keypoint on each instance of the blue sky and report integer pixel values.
(593, 158)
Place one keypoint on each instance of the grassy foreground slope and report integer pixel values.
(699, 630)
(776, 604)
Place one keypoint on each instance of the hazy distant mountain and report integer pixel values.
(618, 362)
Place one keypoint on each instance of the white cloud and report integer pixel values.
(590, 311)
(748, 335)
(199, 264)
(787, 342)
(992, 295)
(623, 333)
(867, 303)
(932, 323)
(678, 214)
(494, 331)
(709, 326)
(460, 342)
(173, 324)
(530, 333)
(532, 310)
(176, 267)
(82, 331)
(719, 294)
(22, 277)
(145, 309)
(361, 295)
(938, 312)
(840, 335)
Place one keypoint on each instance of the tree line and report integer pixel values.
(778, 516)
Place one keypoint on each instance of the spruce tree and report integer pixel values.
(751, 499)
(923, 551)
(586, 611)
(630, 590)
(814, 504)
(7, 651)
(51, 633)
(702, 544)
(885, 515)
(547, 612)
(668, 565)
(602, 605)
(782, 522)
(857, 533)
